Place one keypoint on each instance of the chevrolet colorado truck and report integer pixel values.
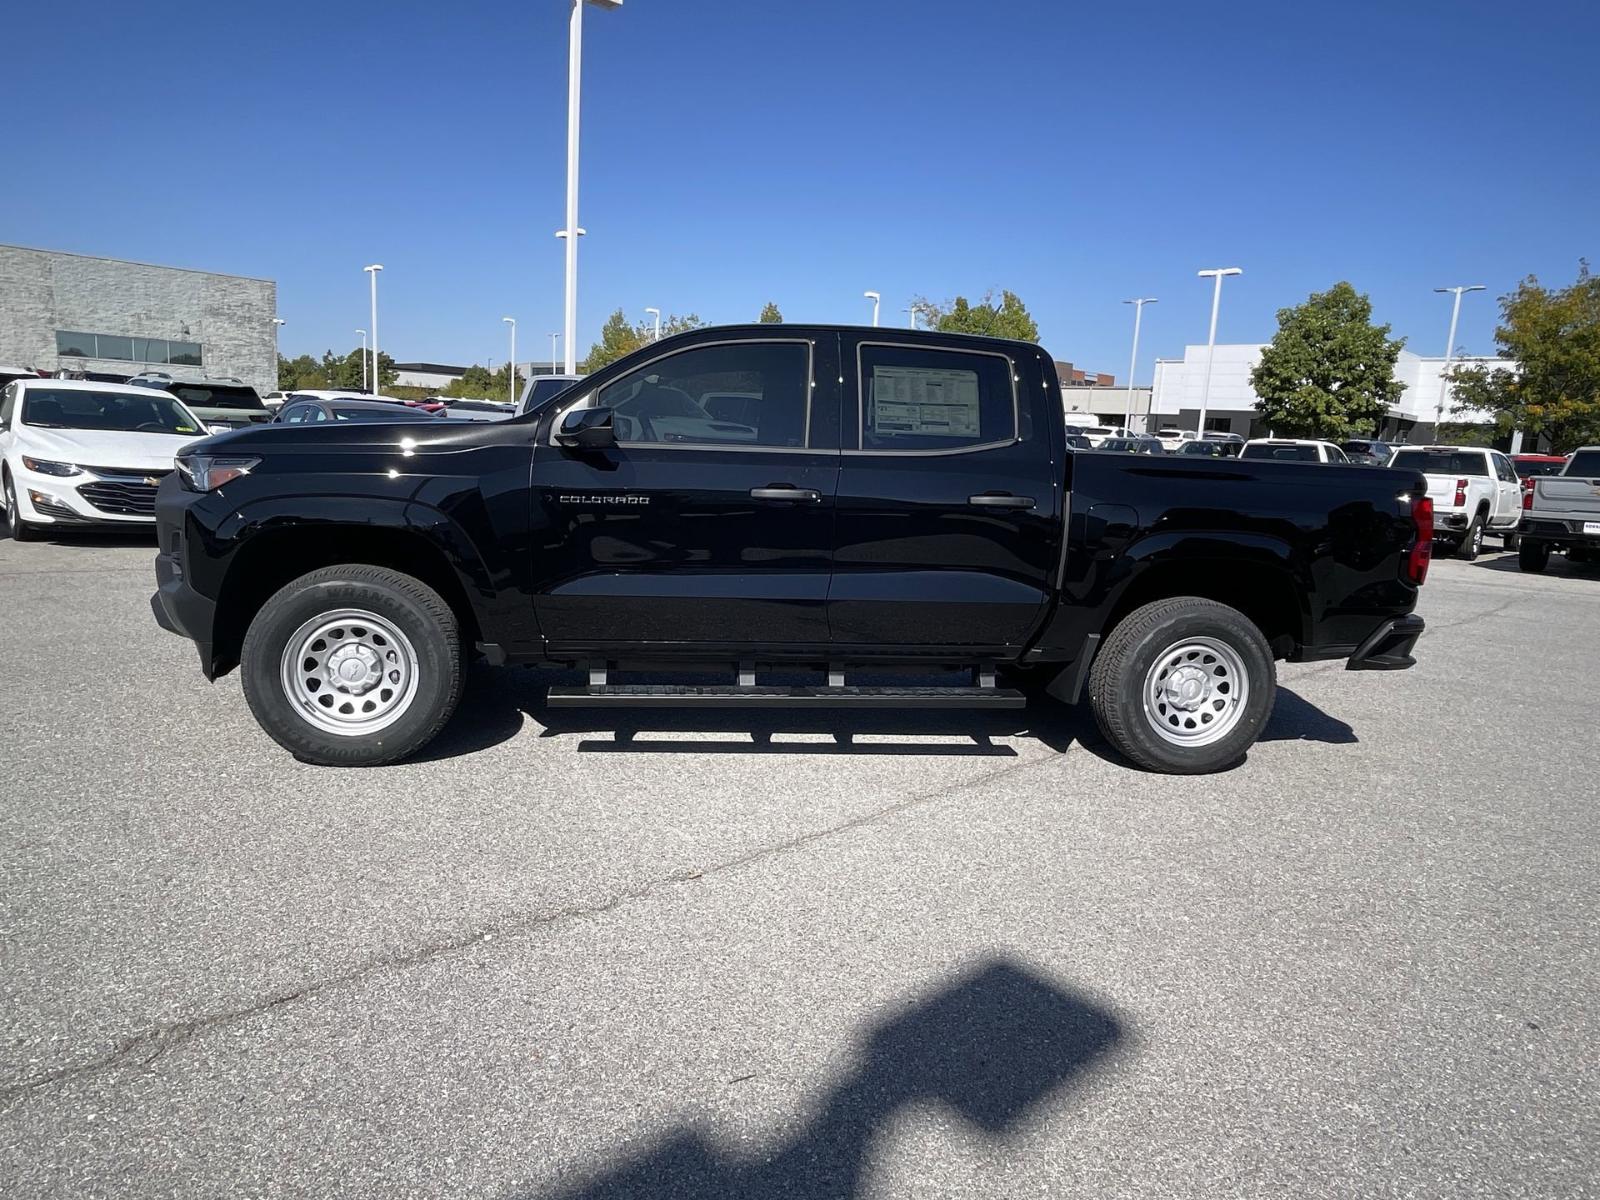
(758, 504)
(1562, 512)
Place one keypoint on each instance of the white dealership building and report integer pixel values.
(1175, 399)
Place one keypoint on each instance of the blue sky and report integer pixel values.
(737, 151)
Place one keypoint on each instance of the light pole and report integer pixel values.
(553, 336)
(512, 386)
(876, 300)
(913, 311)
(656, 312)
(363, 334)
(372, 273)
(1449, 349)
(574, 94)
(1133, 362)
(1211, 342)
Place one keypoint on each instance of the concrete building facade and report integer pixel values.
(1232, 404)
(76, 312)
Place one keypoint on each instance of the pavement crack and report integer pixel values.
(140, 1051)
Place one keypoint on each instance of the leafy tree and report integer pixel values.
(770, 314)
(331, 371)
(291, 371)
(1008, 319)
(1551, 386)
(1329, 371)
(618, 337)
(480, 383)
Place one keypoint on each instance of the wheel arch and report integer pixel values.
(1261, 586)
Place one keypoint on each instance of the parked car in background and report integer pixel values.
(477, 410)
(1367, 452)
(1211, 448)
(273, 401)
(1562, 512)
(348, 408)
(1475, 491)
(1099, 433)
(1076, 441)
(223, 404)
(75, 453)
(1293, 450)
(1137, 444)
(1171, 437)
(541, 389)
(8, 373)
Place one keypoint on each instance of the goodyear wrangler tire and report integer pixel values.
(1183, 686)
(353, 666)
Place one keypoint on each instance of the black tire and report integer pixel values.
(19, 529)
(1130, 656)
(1533, 557)
(411, 607)
(1471, 544)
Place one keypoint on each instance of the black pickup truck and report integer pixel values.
(811, 503)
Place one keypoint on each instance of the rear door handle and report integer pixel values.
(784, 491)
(1000, 500)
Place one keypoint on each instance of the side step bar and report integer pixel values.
(672, 696)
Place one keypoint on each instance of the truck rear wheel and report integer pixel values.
(1183, 686)
(1471, 541)
(1533, 557)
(353, 666)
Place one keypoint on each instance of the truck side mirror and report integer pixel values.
(587, 429)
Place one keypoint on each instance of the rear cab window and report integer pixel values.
(1471, 463)
(1585, 463)
(1290, 453)
(218, 395)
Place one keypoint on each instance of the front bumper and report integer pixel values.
(94, 496)
(176, 605)
(1389, 646)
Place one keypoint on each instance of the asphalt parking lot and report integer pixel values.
(766, 956)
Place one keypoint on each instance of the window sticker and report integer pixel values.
(924, 401)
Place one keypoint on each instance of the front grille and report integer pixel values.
(124, 493)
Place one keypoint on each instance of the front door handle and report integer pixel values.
(784, 491)
(1000, 500)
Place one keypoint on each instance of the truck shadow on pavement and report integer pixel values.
(501, 700)
(993, 1047)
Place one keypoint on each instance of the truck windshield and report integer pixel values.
(1443, 462)
(109, 412)
(1584, 463)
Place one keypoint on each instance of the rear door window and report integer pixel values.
(917, 400)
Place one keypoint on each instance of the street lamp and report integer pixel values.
(657, 313)
(511, 387)
(876, 299)
(363, 334)
(574, 94)
(553, 336)
(1216, 273)
(279, 321)
(372, 273)
(913, 310)
(1449, 349)
(1133, 363)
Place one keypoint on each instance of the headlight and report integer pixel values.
(46, 467)
(207, 472)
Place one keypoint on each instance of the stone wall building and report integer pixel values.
(104, 315)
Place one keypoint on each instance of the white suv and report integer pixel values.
(75, 453)
(1474, 491)
(1294, 450)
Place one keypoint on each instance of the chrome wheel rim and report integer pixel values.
(349, 672)
(1195, 692)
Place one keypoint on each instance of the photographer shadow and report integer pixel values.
(993, 1047)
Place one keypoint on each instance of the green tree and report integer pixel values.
(618, 338)
(331, 371)
(770, 314)
(1550, 386)
(296, 372)
(1329, 371)
(1008, 319)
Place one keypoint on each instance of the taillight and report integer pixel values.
(1422, 549)
(1461, 493)
(1527, 493)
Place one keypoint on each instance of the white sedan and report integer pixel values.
(76, 453)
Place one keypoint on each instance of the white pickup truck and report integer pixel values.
(1475, 491)
(1562, 512)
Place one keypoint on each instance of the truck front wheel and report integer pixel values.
(1183, 686)
(353, 666)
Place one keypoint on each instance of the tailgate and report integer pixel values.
(1442, 490)
(1558, 495)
